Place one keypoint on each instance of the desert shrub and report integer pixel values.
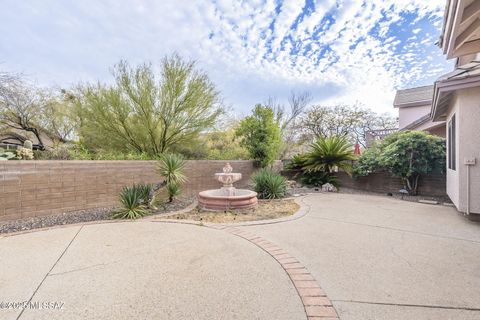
(269, 184)
(134, 200)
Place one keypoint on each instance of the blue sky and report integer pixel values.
(342, 51)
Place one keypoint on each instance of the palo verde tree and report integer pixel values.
(146, 113)
(260, 135)
(405, 154)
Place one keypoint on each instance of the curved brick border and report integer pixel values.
(316, 303)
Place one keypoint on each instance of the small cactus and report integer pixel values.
(28, 144)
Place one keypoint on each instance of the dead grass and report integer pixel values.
(266, 209)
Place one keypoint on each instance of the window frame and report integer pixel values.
(452, 143)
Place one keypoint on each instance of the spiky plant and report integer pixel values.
(132, 200)
(173, 190)
(328, 154)
(269, 184)
(171, 167)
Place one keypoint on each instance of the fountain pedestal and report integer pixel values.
(227, 197)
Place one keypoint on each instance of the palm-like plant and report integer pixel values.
(171, 168)
(328, 154)
(133, 203)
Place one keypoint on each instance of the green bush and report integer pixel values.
(269, 184)
(135, 202)
(405, 154)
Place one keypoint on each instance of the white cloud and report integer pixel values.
(249, 49)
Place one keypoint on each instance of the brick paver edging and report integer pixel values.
(316, 303)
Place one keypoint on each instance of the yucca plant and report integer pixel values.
(269, 184)
(173, 190)
(171, 167)
(133, 203)
(329, 154)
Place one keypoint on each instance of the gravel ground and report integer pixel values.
(265, 210)
(96, 214)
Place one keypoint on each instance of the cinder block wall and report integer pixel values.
(432, 185)
(38, 188)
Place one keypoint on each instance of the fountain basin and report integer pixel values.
(222, 200)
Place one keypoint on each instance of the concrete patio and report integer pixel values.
(375, 258)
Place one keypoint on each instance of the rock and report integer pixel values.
(428, 201)
(328, 187)
(292, 183)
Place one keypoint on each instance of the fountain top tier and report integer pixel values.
(227, 177)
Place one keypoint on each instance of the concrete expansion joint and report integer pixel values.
(409, 305)
(50, 271)
(314, 300)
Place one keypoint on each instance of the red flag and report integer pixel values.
(357, 149)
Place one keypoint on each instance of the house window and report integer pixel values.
(452, 144)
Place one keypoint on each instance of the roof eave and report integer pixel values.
(443, 88)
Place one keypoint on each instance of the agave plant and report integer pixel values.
(171, 168)
(329, 154)
(269, 184)
(133, 203)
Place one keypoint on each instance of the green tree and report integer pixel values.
(407, 155)
(146, 113)
(222, 145)
(342, 120)
(260, 135)
(30, 113)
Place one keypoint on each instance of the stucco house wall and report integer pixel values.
(470, 137)
(407, 115)
(453, 175)
(465, 105)
(440, 131)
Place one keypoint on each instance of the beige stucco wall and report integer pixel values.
(407, 115)
(453, 175)
(466, 106)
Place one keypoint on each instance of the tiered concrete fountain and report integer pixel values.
(227, 197)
